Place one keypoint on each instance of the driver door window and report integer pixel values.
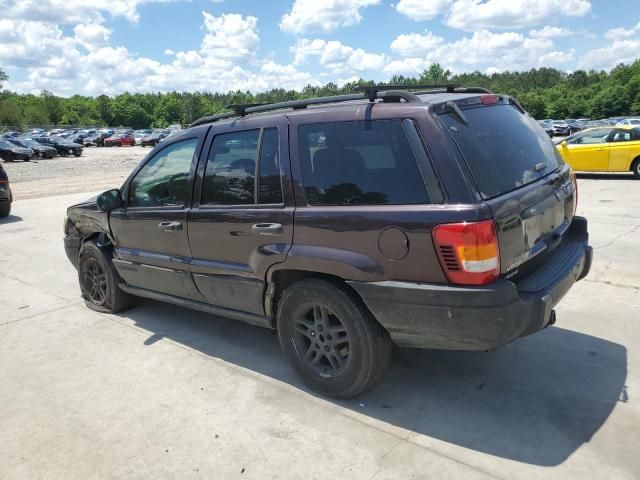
(164, 180)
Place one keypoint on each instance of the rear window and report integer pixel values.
(503, 148)
(359, 163)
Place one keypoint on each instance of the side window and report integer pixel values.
(269, 180)
(591, 136)
(229, 178)
(230, 173)
(164, 180)
(359, 163)
(621, 136)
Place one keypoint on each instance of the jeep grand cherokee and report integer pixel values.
(439, 219)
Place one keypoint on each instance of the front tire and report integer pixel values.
(331, 339)
(5, 209)
(99, 280)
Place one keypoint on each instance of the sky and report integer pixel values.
(94, 47)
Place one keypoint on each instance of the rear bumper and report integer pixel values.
(479, 318)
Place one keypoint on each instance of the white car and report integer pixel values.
(635, 122)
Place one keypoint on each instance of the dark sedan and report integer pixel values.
(62, 145)
(5, 193)
(42, 151)
(152, 140)
(11, 152)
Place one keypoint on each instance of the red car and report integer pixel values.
(119, 139)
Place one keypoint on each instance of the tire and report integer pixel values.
(331, 339)
(77, 154)
(103, 294)
(5, 209)
(635, 168)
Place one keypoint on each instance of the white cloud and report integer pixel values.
(620, 51)
(336, 56)
(308, 16)
(415, 44)
(478, 14)
(421, 10)
(230, 36)
(69, 12)
(621, 32)
(91, 35)
(551, 32)
(485, 51)
(85, 62)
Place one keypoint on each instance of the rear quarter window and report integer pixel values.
(504, 148)
(359, 163)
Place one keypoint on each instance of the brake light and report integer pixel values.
(574, 180)
(489, 99)
(468, 251)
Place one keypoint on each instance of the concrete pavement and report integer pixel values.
(163, 392)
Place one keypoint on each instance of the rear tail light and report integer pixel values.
(574, 180)
(468, 251)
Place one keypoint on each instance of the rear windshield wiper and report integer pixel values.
(456, 111)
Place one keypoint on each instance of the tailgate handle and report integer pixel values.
(267, 228)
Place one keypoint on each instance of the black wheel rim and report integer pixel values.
(94, 282)
(322, 341)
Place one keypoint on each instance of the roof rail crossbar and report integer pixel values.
(456, 90)
(372, 90)
(243, 110)
(213, 118)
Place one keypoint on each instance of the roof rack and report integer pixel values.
(386, 93)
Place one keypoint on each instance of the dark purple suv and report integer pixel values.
(437, 219)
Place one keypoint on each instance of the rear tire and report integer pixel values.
(99, 280)
(331, 339)
(5, 209)
(635, 168)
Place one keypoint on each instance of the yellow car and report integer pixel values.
(603, 149)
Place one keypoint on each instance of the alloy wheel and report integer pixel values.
(322, 341)
(94, 282)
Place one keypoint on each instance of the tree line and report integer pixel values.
(544, 92)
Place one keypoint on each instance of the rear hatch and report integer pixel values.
(518, 173)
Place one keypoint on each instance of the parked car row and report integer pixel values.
(571, 125)
(40, 143)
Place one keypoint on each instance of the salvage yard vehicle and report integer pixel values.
(42, 151)
(11, 152)
(439, 219)
(605, 149)
(119, 140)
(5, 193)
(62, 145)
(152, 139)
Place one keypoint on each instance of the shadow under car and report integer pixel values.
(536, 400)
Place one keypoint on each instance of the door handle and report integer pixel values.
(599, 149)
(267, 229)
(170, 226)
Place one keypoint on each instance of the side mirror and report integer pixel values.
(110, 200)
(563, 143)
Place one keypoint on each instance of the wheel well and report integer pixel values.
(283, 279)
(635, 162)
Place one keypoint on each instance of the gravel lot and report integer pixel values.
(97, 169)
